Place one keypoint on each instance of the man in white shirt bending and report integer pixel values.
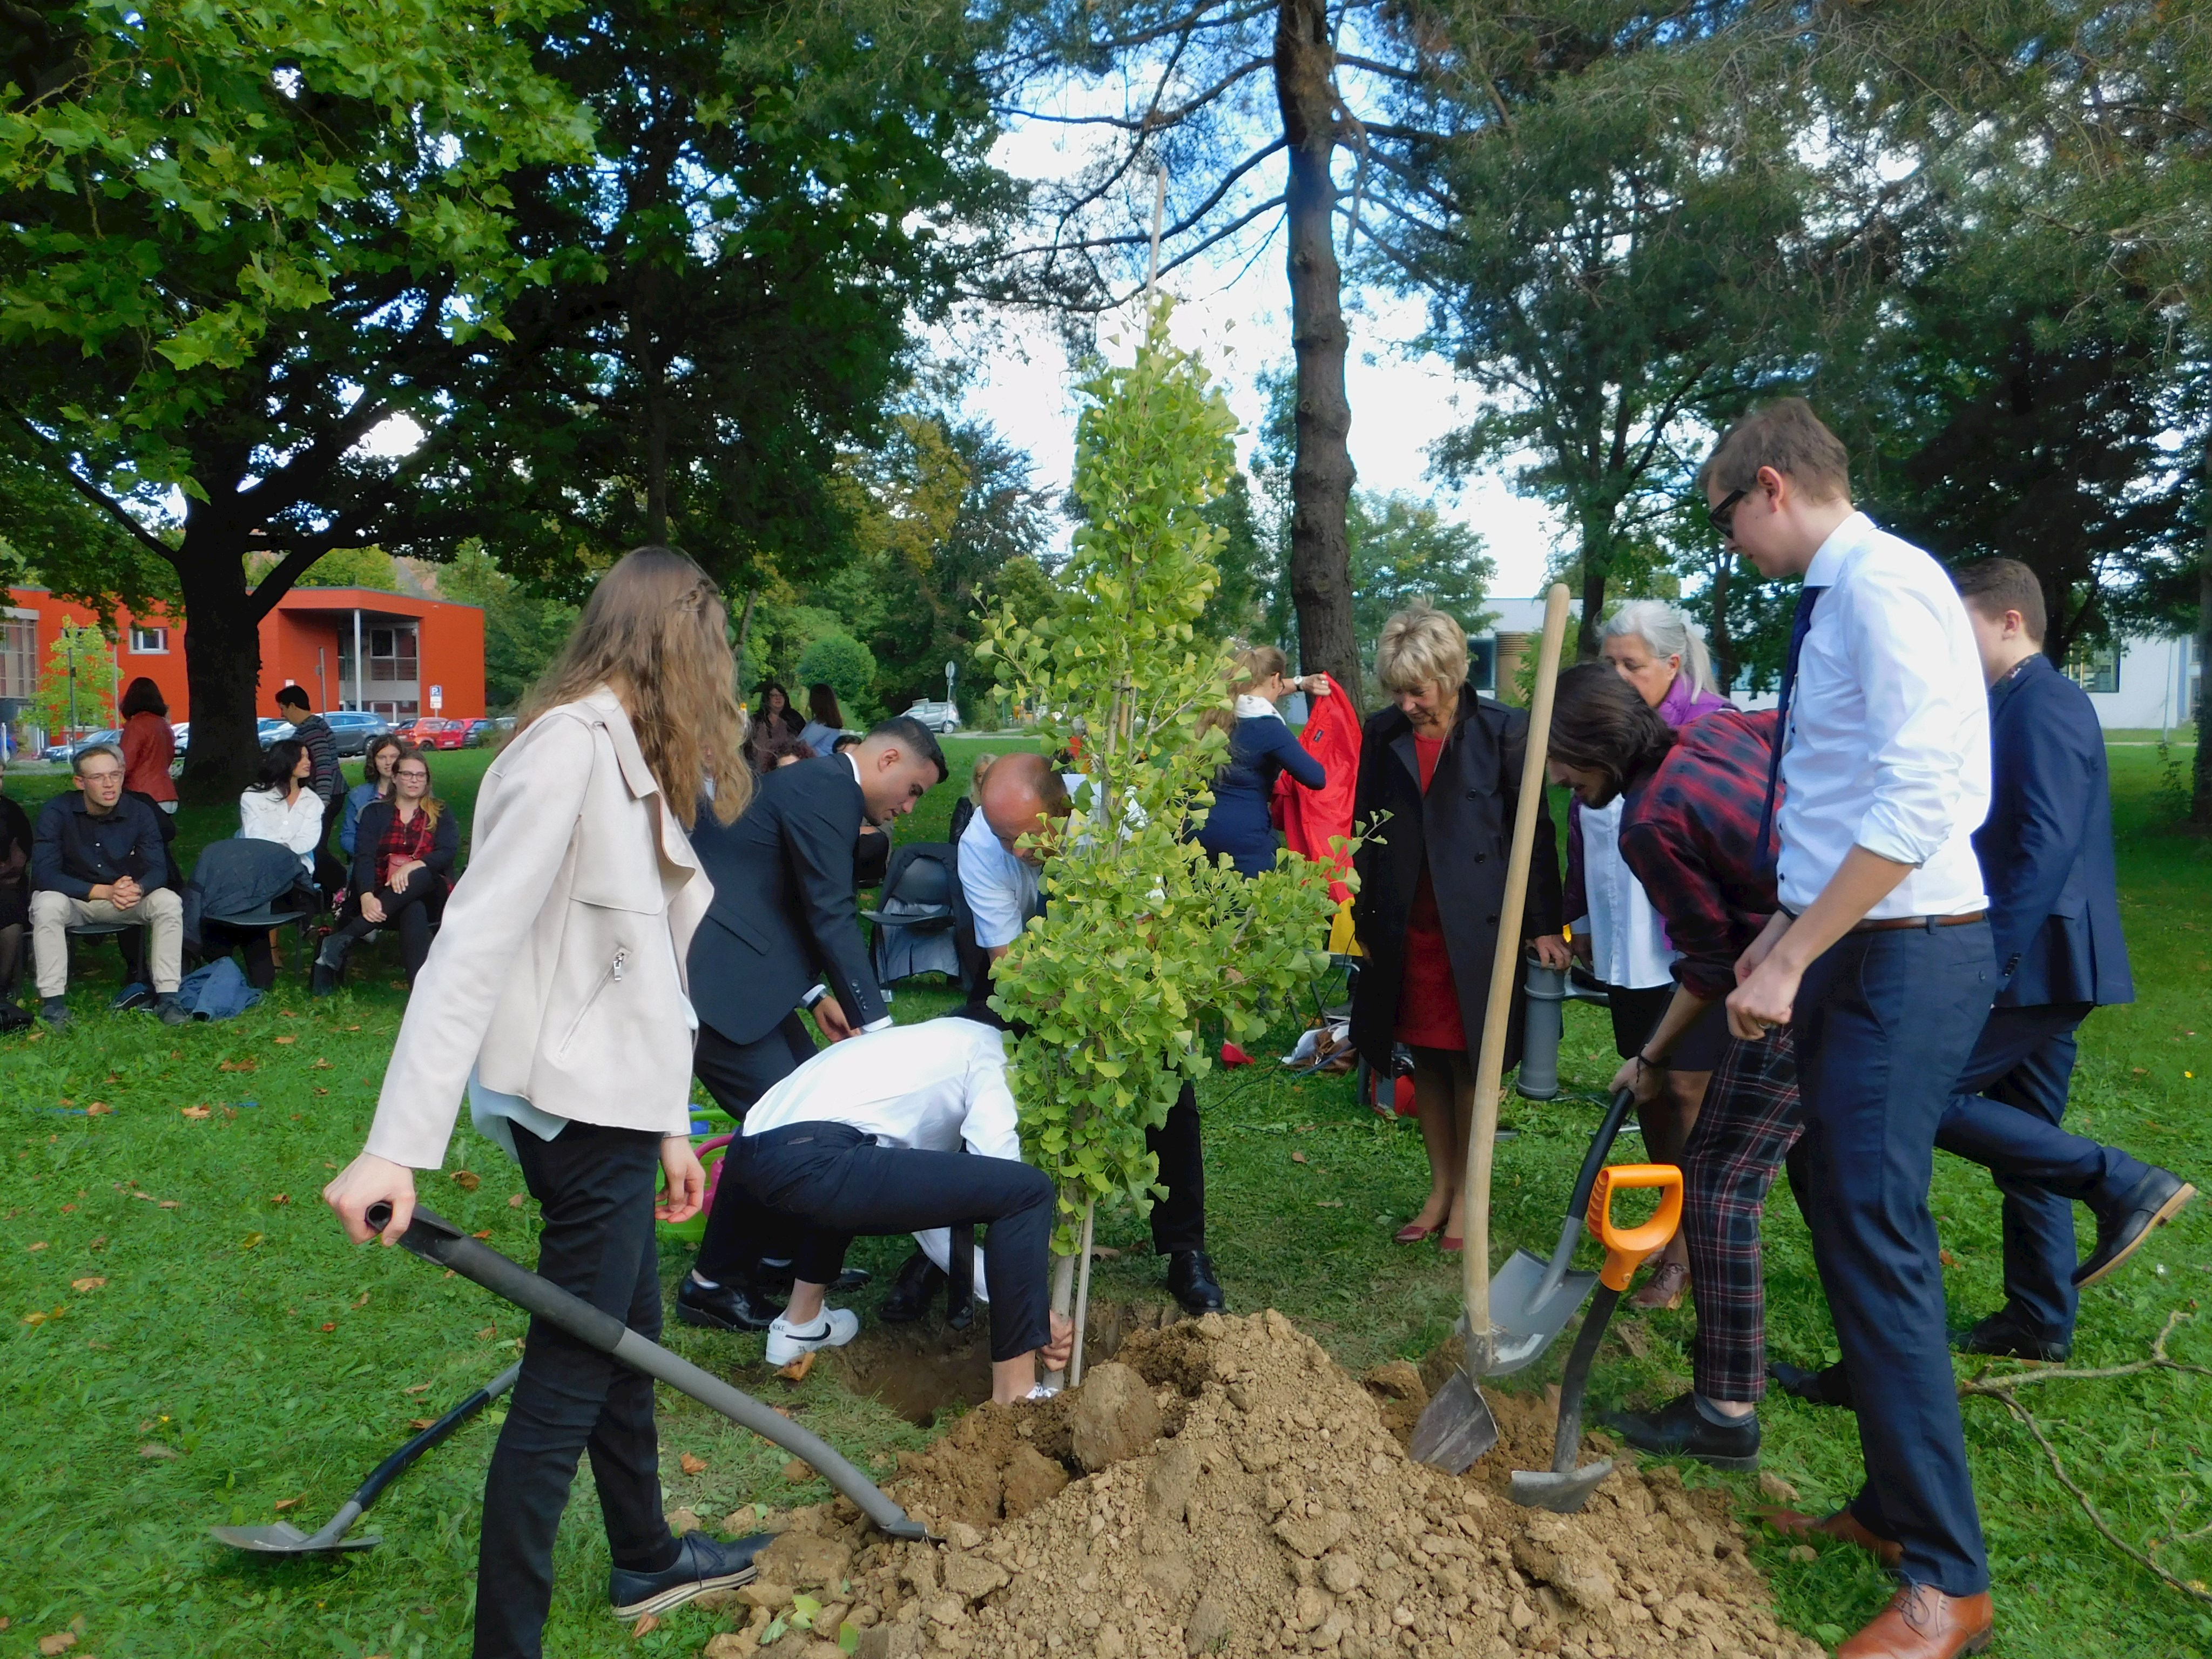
(906, 1129)
(1880, 962)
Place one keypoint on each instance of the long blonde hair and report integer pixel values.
(655, 629)
(1252, 666)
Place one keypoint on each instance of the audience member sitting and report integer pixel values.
(377, 761)
(281, 804)
(825, 722)
(97, 856)
(15, 888)
(404, 853)
(774, 720)
(150, 744)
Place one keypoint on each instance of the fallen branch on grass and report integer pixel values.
(2001, 1388)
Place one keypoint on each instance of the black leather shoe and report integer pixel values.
(1829, 1387)
(918, 1281)
(329, 971)
(702, 1564)
(1191, 1282)
(2156, 1199)
(1679, 1429)
(725, 1308)
(2004, 1336)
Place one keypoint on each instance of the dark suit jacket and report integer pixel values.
(2046, 847)
(784, 912)
(1463, 829)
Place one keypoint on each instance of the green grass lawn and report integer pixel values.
(188, 1338)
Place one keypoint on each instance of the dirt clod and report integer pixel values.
(1116, 1416)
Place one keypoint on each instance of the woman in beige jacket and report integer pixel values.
(555, 998)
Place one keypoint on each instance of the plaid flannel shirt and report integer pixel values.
(404, 843)
(1690, 834)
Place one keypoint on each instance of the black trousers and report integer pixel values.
(1179, 1219)
(411, 914)
(251, 942)
(594, 1187)
(837, 1183)
(737, 1075)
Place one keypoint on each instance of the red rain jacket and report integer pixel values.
(1310, 818)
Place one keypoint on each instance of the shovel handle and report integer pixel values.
(1626, 1247)
(388, 1470)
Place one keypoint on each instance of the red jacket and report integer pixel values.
(1311, 818)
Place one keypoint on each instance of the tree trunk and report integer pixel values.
(1718, 644)
(222, 666)
(2200, 804)
(1597, 564)
(1321, 470)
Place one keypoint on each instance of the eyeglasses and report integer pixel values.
(1723, 517)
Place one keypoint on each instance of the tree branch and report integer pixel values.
(93, 493)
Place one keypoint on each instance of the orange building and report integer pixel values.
(352, 647)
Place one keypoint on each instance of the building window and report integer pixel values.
(1482, 663)
(392, 654)
(150, 642)
(19, 653)
(2095, 667)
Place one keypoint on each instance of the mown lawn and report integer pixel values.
(189, 1339)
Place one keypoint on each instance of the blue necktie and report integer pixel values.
(1806, 600)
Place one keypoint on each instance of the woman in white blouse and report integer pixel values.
(281, 806)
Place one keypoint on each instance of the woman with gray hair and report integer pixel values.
(1657, 651)
(1439, 782)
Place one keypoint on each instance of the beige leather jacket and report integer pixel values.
(558, 972)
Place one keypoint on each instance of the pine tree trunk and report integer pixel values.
(1321, 471)
(1597, 564)
(222, 666)
(2200, 804)
(1718, 643)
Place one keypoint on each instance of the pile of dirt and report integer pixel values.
(1222, 1486)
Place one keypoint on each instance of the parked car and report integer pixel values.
(937, 716)
(270, 730)
(354, 727)
(479, 733)
(68, 751)
(431, 732)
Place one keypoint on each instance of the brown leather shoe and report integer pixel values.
(1842, 1524)
(1922, 1623)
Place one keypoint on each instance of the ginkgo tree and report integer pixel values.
(1144, 934)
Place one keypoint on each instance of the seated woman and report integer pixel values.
(377, 761)
(1239, 826)
(281, 805)
(403, 851)
(825, 720)
(907, 1129)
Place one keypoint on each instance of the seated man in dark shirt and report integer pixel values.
(97, 857)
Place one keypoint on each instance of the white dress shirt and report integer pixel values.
(1888, 745)
(1000, 889)
(1628, 939)
(264, 815)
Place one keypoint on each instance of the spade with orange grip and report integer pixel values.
(1564, 1487)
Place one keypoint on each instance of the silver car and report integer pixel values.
(937, 716)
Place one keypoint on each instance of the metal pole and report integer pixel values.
(358, 700)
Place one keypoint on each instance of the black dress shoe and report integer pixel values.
(702, 1564)
(2156, 1199)
(725, 1308)
(1679, 1429)
(2004, 1336)
(1828, 1387)
(1191, 1282)
(918, 1281)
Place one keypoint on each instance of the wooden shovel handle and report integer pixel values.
(1490, 1067)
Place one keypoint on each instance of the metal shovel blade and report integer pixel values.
(1455, 1428)
(1561, 1493)
(284, 1539)
(1526, 1326)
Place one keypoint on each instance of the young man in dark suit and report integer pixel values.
(783, 934)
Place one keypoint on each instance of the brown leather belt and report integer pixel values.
(1897, 924)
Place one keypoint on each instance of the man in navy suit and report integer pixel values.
(784, 933)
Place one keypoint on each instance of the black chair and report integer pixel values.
(133, 950)
(252, 928)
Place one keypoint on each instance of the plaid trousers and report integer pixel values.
(1749, 1121)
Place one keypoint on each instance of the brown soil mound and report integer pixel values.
(1222, 1486)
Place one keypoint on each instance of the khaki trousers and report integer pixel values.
(161, 912)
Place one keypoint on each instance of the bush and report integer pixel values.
(845, 663)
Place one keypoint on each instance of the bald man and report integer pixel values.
(1023, 795)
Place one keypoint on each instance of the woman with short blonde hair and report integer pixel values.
(1440, 771)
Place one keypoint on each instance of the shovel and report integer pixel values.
(1566, 1488)
(1456, 1427)
(1531, 1300)
(285, 1539)
(438, 1242)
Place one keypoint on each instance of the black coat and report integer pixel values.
(1462, 828)
(784, 912)
(369, 836)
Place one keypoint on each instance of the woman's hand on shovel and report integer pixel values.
(363, 1182)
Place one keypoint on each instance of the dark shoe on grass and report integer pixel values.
(329, 972)
(725, 1308)
(133, 995)
(1828, 1387)
(918, 1281)
(2006, 1336)
(1192, 1282)
(702, 1564)
(1679, 1429)
(173, 1013)
(54, 1011)
(2121, 1231)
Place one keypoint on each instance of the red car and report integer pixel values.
(429, 732)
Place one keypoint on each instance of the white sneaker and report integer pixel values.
(787, 1341)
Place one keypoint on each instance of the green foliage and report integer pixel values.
(354, 567)
(522, 630)
(1402, 549)
(51, 537)
(847, 666)
(76, 688)
(1145, 934)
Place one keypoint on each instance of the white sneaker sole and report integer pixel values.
(676, 1597)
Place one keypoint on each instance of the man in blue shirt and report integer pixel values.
(97, 857)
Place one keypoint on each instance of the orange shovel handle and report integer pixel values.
(1626, 1247)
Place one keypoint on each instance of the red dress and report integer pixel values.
(1428, 996)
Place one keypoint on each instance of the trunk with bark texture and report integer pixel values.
(1719, 646)
(1597, 565)
(2200, 804)
(1321, 472)
(222, 666)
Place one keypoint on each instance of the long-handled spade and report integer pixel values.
(284, 1539)
(1531, 1300)
(438, 1240)
(1564, 1487)
(1456, 1427)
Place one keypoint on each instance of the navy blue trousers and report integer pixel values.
(2006, 1118)
(1884, 1023)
